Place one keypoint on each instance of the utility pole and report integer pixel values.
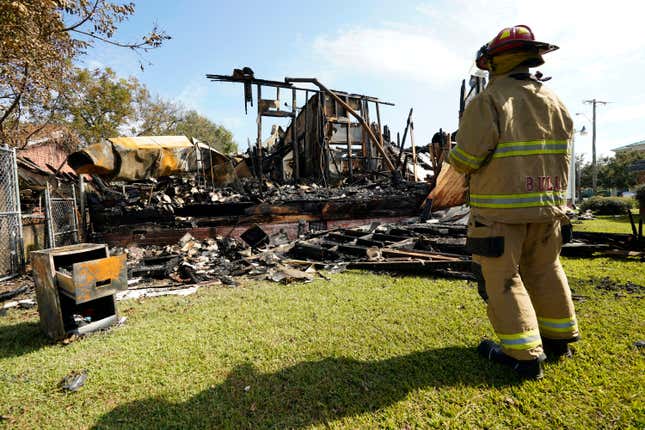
(594, 166)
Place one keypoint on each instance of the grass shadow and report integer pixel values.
(307, 393)
(22, 338)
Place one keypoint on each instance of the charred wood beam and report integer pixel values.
(415, 267)
(307, 250)
(384, 237)
(13, 293)
(405, 133)
(617, 240)
(349, 109)
(354, 233)
(577, 249)
(356, 251)
(443, 230)
(285, 84)
(401, 253)
(155, 267)
(455, 246)
(368, 242)
(340, 237)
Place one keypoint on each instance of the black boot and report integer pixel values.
(556, 348)
(528, 369)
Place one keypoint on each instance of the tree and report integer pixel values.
(585, 174)
(39, 41)
(96, 103)
(198, 126)
(613, 172)
(157, 116)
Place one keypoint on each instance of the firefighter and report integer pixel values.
(514, 144)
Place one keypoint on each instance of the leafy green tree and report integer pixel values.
(585, 174)
(198, 126)
(615, 171)
(157, 116)
(39, 42)
(97, 103)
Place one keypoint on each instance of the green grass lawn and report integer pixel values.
(359, 351)
(607, 224)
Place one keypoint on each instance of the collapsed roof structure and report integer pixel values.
(335, 164)
(333, 136)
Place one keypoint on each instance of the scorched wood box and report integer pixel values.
(76, 286)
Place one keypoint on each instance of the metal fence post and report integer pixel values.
(11, 240)
(48, 218)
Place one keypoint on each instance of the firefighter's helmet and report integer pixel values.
(512, 39)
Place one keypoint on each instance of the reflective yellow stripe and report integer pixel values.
(522, 200)
(532, 142)
(467, 155)
(571, 329)
(524, 340)
(557, 320)
(558, 325)
(530, 152)
(520, 335)
(452, 159)
(531, 147)
(523, 346)
(460, 157)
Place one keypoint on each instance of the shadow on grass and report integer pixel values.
(307, 393)
(22, 338)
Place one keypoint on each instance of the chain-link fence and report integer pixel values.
(62, 221)
(10, 221)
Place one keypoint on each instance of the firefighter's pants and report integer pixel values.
(528, 293)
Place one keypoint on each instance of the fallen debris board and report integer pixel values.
(255, 237)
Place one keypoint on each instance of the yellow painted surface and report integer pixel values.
(152, 142)
(90, 272)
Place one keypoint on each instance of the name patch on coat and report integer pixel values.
(543, 183)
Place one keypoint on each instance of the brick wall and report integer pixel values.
(42, 155)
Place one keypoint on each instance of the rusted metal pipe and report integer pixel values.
(340, 101)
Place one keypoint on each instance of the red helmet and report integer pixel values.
(511, 39)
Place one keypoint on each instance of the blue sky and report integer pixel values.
(412, 53)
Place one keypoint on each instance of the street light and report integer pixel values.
(583, 114)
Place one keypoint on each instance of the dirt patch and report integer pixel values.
(607, 284)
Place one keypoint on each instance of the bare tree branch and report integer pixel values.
(38, 129)
(16, 101)
(145, 44)
(82, 21)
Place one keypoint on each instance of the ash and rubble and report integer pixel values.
(335, 160)
(173, 192)
(176, 206)
(389, 247)
(178, 201)
(212, 260)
